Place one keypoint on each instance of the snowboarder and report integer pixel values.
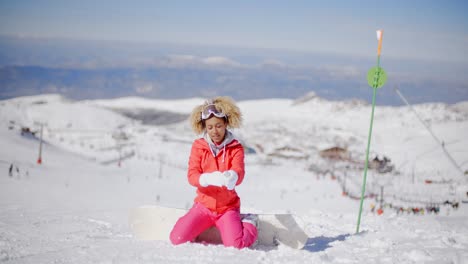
(216, 167)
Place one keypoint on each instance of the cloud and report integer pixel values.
(216, 61)
(273, 63)
(341, 71)
(144, 89)
(180, 61)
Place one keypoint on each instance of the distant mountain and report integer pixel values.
(168, 82)
(172, 82)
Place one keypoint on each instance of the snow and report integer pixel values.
(74, 207)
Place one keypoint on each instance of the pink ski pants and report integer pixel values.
(234, 232)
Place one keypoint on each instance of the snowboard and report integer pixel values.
(154, 222)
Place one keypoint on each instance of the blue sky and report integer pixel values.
(423, 30)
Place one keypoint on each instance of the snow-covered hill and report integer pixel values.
(101, 158)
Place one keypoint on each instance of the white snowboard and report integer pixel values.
(154, 222)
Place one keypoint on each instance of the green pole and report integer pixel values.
(376, 78)
(363, 191)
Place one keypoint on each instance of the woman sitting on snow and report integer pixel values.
(216, 167)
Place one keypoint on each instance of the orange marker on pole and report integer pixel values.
(379, 37)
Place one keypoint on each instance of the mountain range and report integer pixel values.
(98, 70)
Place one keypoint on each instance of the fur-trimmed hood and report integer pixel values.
(223, 104)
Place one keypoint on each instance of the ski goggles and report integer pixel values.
(211, 110)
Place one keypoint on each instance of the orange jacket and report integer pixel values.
(217, 199)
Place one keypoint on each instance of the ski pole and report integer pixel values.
(376, 78)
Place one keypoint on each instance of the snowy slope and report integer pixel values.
(74, 207)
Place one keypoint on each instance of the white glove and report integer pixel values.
(215, 178)
(231, 179)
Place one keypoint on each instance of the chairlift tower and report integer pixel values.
(39, 158)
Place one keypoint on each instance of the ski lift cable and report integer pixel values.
(454, 163)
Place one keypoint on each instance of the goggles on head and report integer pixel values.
(211, 110)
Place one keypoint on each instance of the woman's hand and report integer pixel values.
(231, 179)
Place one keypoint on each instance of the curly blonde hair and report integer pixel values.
(223, 104)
